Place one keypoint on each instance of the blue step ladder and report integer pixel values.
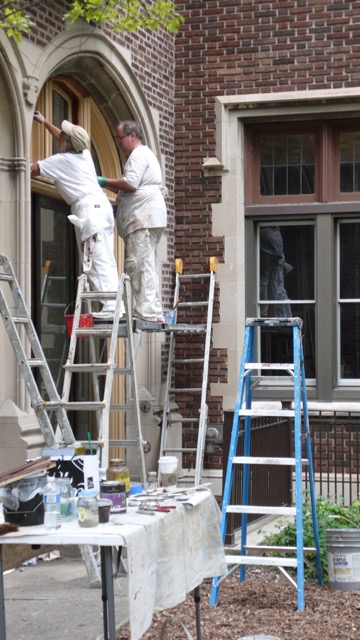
(250, 377)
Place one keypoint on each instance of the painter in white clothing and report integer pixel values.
(141, 218)
(74, 175)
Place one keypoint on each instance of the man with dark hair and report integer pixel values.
(141, 217)
(74, 175)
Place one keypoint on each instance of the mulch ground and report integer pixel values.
(265, 605)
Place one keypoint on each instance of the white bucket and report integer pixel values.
(343, 547)
(168, 470)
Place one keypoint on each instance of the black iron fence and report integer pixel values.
(335, 442)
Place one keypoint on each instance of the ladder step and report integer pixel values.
(6, 277)
(121, 407)
(20, 319)
(183, 420)
(98, 295)
(186, 328)
(274, 461)
(187, 361)
(198, 303)
(186, 390)
(261, 561)
(275, 413)
(268, 365)
(276, 549)
(180, 450)
(193, 276)
(96, 367)
(35, 362)
(75, 406)
(123, 443)
(280, 511)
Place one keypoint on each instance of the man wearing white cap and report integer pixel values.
(74, 175)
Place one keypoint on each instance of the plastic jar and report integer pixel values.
(66, 498)
(117, 470)
(152, 481)
(87, 508)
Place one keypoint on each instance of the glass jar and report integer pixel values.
(87, 508)
(117, 470)
(66, 498)
(151, 481)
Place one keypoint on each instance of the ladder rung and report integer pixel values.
(20, 319)
(275, 413)
(180, 449)
(123, 443)
(35, 362)
(186, 328)
(270, 365)
(6, 277)
(198, 303)
(186, 390)
(261, 560)
(183, 420)
(121, 407)
(96, 367)
(76, 406)
(193, 276)
(277, 549)
(274, 461)
(188, 360)
(281, 511)
(98, 295)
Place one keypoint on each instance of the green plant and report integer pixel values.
(330, 515)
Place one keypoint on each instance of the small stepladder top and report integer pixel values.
(31, 358)
(248, 378)
(183, 302)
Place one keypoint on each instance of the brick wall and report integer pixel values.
(228, 47)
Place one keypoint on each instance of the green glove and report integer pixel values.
(101, 180)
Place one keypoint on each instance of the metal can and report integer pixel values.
(116, 492)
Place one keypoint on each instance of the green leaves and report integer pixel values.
(120, 15)
(127, 15)
(13, 20)
(330, 515)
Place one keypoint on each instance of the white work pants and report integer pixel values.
(99, 262)
(140, 265)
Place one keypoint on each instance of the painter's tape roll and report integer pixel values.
(135, 487)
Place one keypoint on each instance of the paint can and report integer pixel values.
(343, 547)
(116, 493)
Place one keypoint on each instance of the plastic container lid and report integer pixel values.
(87, 493)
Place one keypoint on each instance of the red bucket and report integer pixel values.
(85, 320)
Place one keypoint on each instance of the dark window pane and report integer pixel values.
(307, 179)
(350, 260)
(350, 340)
(294, 180)
(349, 161)
(280, 181)
(292, 160)
(267, 188)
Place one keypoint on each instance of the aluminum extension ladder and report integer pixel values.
(250, 376)
(31, 358)
(101, 403)
(180, 353)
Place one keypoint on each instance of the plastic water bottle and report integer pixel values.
(52, 518)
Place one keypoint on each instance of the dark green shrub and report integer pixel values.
(330, 515)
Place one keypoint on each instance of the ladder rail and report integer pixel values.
(301, 430)
(26, 364)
